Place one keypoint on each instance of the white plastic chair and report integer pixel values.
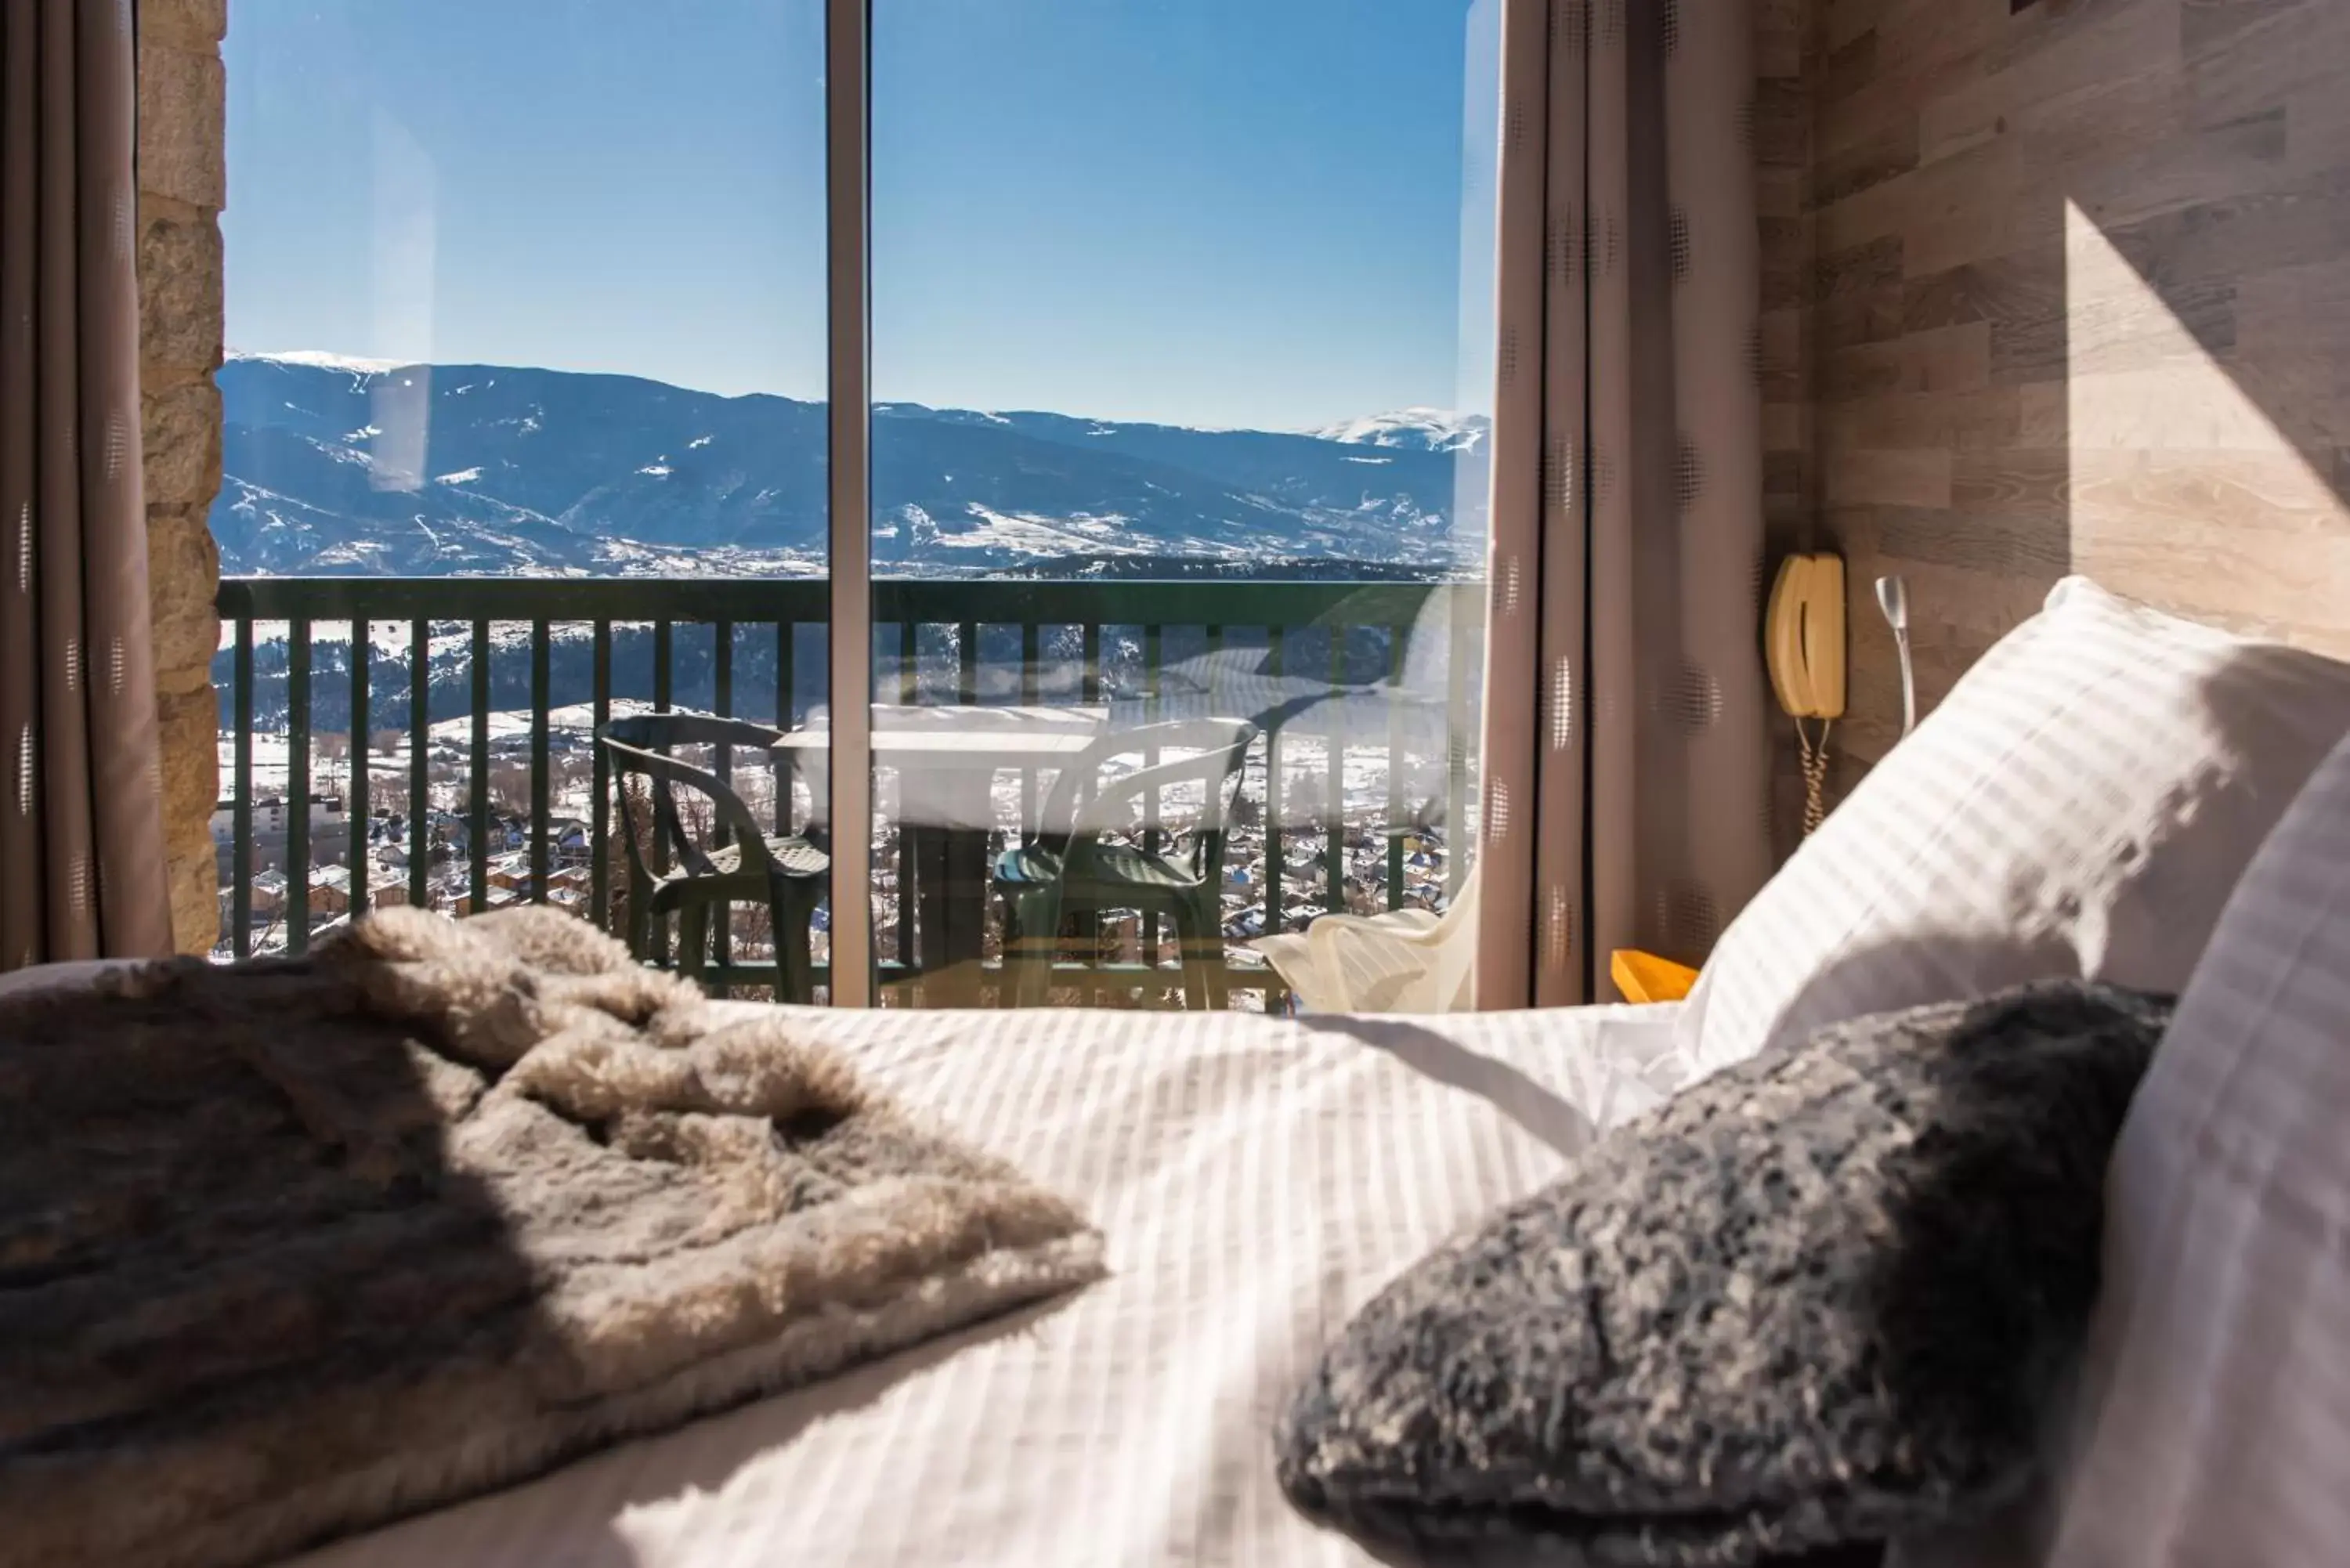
(1407, 961)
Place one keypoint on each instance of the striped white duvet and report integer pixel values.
(1257, 1181)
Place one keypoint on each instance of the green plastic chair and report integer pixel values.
(742, 864)
(1069, 869)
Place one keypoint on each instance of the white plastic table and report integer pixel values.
(945, 759)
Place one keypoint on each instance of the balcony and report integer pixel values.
(479, 697)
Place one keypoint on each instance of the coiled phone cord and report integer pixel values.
(1815, 773)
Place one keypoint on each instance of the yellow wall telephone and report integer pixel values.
(1803, 640)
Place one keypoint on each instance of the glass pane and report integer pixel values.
(527, 305)
(1182, 356)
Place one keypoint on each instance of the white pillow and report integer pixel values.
(2214, 1405)
(2081, 804)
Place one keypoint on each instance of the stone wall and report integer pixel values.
(181, 189)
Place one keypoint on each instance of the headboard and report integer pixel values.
(2076, 298)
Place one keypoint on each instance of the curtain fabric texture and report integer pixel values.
(81, 839)
(1625, 801)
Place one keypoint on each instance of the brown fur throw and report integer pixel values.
(294, 1247)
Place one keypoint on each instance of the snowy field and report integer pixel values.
(1363, 793)
(1361, 813)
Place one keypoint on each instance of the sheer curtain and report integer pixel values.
(1626, 798)
(81, 840)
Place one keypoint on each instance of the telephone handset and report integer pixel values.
(1803, 641)
(1804, 638)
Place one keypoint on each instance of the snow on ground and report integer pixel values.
(1435, 430)
(1030, 533)
(1360, 834)
(1364, 784)
(391, 636)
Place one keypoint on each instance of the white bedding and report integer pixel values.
(1257, 1181)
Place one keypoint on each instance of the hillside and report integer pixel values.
(343, 467)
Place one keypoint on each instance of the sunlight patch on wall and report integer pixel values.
(2183, 489)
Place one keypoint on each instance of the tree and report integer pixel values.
(441, 784)
(510, 788)
(329, 747)
(573, 776)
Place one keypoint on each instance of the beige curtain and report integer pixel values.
(1627, 797)
(81, 837)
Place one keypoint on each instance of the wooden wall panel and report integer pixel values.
(2060, 290)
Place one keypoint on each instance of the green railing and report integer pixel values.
(1401, 655)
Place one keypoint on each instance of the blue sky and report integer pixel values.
(1210, 211)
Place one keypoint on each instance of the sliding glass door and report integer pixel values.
(526, 435)
(1182, 336)
(1061, 427)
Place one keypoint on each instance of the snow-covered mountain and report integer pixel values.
(1420, 429)
(334, 465)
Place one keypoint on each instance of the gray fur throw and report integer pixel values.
(290, 1248)
(1818, 1298)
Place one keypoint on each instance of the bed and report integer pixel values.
(1258, 1180)
(1255, 1179)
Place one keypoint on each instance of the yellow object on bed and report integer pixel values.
(1645, 977)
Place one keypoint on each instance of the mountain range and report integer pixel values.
(339, 467)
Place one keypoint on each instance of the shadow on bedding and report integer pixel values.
(2131, 897)
(1539, 1113)
(691, 1467)
(238, 1266)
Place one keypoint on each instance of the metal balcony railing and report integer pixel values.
(502, 679)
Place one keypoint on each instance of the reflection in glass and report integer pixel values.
(524, 438)
(1182, 348)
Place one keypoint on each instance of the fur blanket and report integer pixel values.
(291, 1247)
